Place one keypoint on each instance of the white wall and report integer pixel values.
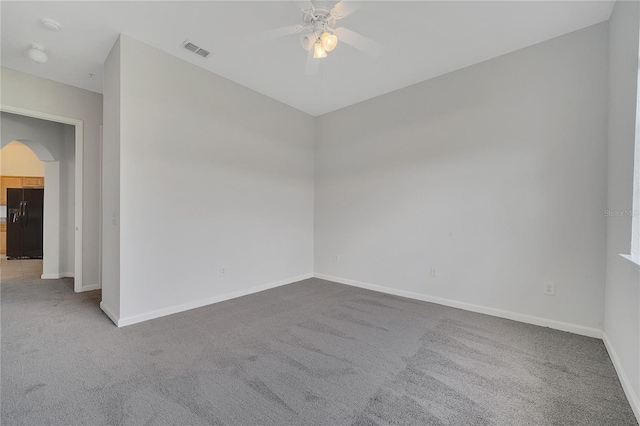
(37, 94)
(494, 175)
(52, 239)
(212, 175)
(67, 200)
(17, 159)
(55, 143)
(111, 185)
(622, 297)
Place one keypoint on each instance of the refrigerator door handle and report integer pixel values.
(25, 215)
(14, 215)
(21, 214)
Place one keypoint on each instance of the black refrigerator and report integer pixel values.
(24, 223)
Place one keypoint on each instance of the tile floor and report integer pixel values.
(20, 268)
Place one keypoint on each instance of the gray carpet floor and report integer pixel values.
(312, 352)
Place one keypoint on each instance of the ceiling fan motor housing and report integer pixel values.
(319, 20)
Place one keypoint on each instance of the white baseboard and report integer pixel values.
(50, 276)
(109, 313)
(121, 322)
(91, 287)
(529, 319)
(622, 375)
(56, 276)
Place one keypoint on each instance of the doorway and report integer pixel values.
(21, 211)
(56, 243)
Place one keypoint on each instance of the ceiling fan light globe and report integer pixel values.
(318, 51)
(329, 41)
(307, 41)
(37, 54)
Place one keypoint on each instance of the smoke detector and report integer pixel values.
(50, 24)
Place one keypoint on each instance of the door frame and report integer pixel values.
(79, 135)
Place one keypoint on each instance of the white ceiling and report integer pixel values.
(422, 40)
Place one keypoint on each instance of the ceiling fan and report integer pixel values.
(319, 32)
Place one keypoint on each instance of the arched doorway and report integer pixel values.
(62, 232)
(21, 247)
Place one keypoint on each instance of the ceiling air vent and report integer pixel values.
(195, 49)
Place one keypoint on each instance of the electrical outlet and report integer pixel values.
(433, 272)
(549, 289)
(336, 258)
(223, 272)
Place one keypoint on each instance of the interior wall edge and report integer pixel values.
(622, 375)
(514, 316)
(109, 312)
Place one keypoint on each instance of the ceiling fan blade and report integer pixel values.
(275, 33)
(313, 65)
(360, 42)
(344, 8)
(305, 4)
